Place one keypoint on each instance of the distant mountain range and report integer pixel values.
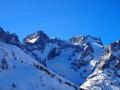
(44, 63)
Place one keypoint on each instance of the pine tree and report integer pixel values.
(4, 64)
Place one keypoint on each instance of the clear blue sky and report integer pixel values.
(62, 18)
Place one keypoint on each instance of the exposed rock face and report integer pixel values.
(79, 59)
(53, 53)
(8, 38)
(37, 38)
(107, 74)
(35, 45)
(76, 57)
(79, 40)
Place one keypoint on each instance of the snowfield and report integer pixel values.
(18, 71)
(43, 63)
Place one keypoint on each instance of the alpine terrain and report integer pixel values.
(44, 63)
(107, 73)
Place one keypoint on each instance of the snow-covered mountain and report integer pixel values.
(8, 38)
(44, 63)
(107, 74)
(73, 59)
(19, 71)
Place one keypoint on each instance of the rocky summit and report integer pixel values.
(107, 73)
(45, 63)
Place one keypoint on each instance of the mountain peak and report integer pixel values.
(7, 37)
(37, 37)
(80, 39)
(1, 29)
(77, 40)
(107, 73)
(115, 46)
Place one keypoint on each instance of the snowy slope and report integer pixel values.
(43, 63)
(19, 71)
(107, 74)
(76, 62)
(74, 59)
